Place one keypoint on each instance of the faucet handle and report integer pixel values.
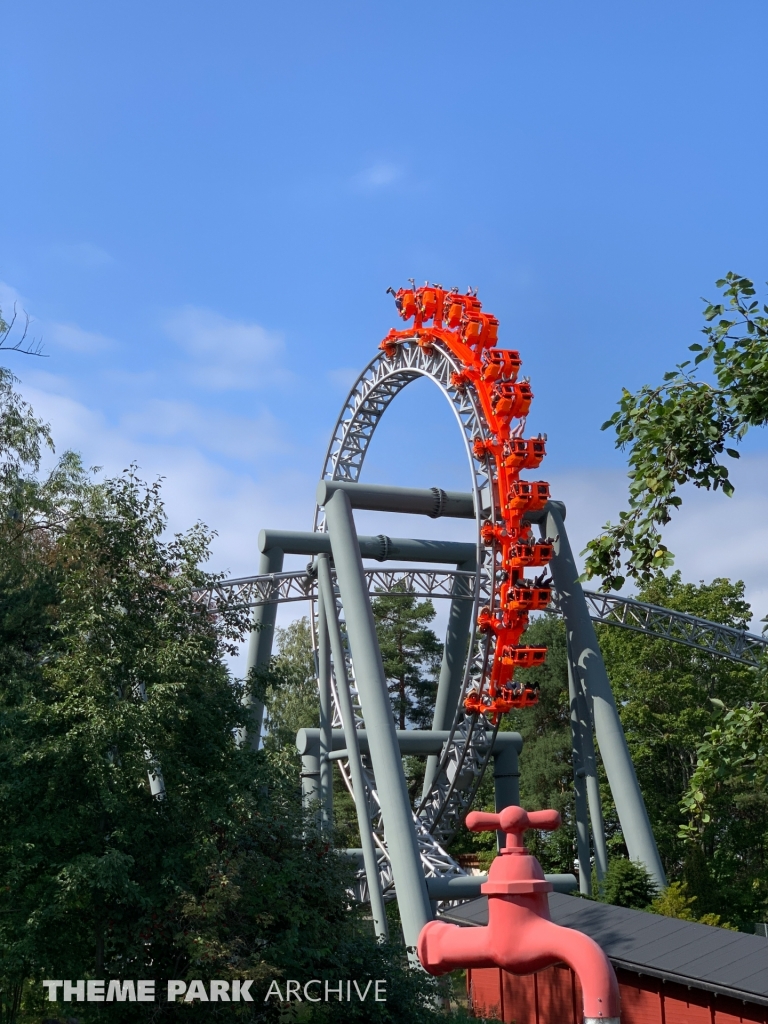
(514, 821)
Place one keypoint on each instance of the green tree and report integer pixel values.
(663, 693)
(725, 811)
(110, 670)
(627, 884)
(677, 432)
(411, 654)
(291, 686)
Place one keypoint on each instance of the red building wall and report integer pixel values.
(553, 996)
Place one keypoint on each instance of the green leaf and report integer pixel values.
(733, 453)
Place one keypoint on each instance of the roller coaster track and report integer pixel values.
(452, 343)
(608, 609)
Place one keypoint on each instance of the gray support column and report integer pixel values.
(412, 896)
(506, 781)
(378, 911)
(326, 720)
(588, 662)
(579, 787)
(260, 645)
(310, 779)
(451, 669)
(589, 766)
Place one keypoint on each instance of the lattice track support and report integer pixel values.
(452, 667)
(579, 787)
(331, 622)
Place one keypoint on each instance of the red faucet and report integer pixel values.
(520, 936)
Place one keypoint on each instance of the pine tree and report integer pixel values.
(411, 653)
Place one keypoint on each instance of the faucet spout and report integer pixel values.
(520, 936)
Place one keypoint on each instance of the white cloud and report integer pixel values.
(710, 535)
(379, 175)
(75, 339)
(226, 354)
(240, 437)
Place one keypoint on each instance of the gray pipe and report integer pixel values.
(589, 765)
(458, 887)
(579, 788)
(412, 896)
(433, 502)
(260, 646)
(310, 780)
(590, 669)
(326, 720)
(409, 741)
(506, 780)
(383, 549)
(378, 911)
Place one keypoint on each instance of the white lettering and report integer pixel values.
(146, 992)
(196, 990)
(292, 988)
(376, 991)
(307, 996)
(52, 987)
(240, 991)
(115, 992)
(339, 991)
(364, 994)
(176, 988)
(77, 990)
(220, 991)
(275, 986)
(95, 991)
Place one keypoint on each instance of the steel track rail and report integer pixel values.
(713, 638)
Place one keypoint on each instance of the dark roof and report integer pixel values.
(713, 959)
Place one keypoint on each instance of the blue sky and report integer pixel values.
(204, 204)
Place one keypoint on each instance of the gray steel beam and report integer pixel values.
(590, 668)
(327, 599)
(452, 667)
(310, 780)
(506, 780)
(326, 719)
(579, 787)
(382, 548)
(260, 646)
(412, 896)
(433, 502)
(410, 741)
(589, 764)
(460, 887)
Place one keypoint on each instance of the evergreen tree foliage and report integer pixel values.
(411, 653)
(291, 686)
(627, 884)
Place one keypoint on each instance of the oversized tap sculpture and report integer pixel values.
(520, 936)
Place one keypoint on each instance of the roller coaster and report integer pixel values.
(452, 342)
